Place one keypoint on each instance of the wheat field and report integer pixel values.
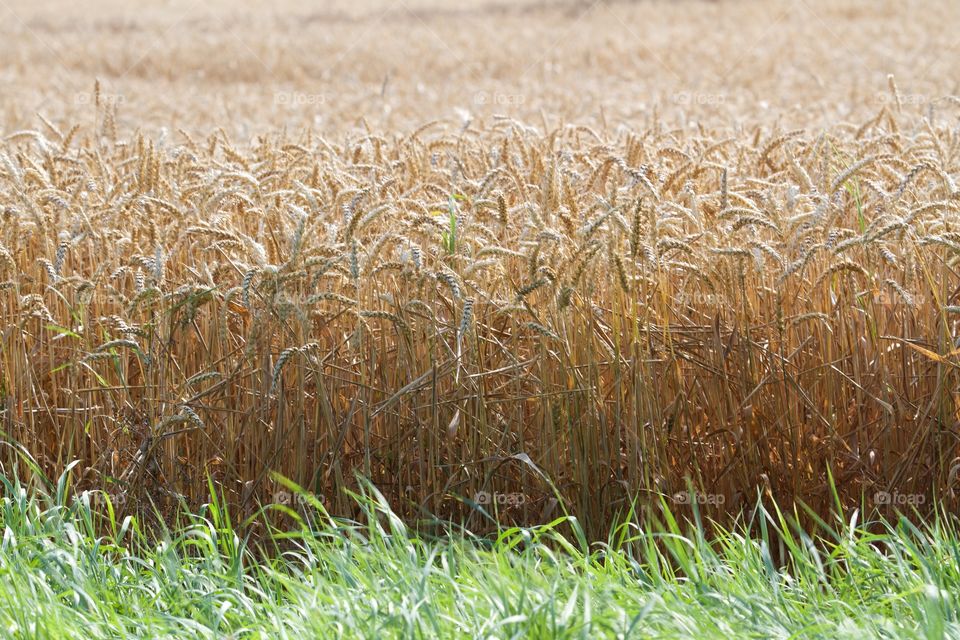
(536, 256)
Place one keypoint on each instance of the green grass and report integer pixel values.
(66, 572)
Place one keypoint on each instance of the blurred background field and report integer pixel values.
(257, 66)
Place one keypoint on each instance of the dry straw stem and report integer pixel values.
(741, 330)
